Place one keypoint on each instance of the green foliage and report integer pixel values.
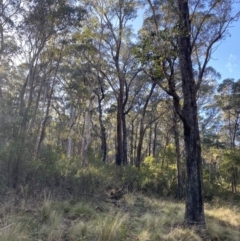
(230, 166)
(151, 177)
(158, 179)
(168, 154)
(221, 172)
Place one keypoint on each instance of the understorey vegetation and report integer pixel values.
(132, 207)
(108, 128)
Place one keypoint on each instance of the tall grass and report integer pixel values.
(135, 218)
(111, 227)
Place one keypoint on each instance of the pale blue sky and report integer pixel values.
(226, 58)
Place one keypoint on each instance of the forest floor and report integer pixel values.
(135, 217)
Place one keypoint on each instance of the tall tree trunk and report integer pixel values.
(178, 157)
(140, 142)
(119, 148)
(103, 143)
(132, 142)
(155, 140)
(86, 138)
(41, 125)
(135, 143)
(150, 141)
(102, 127)
(194, 212)
(71, 123)
(125, 149)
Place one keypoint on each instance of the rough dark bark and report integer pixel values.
(140, 142)
(135, 142)
(125, 149)
(132, 142)
(194, 212)
(119, 147)
(102, 127)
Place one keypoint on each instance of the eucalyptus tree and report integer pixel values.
(178, 51)
(118, 67)
(86, 50)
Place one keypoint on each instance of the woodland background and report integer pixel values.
(86, 102)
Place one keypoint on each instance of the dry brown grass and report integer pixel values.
(134, 218)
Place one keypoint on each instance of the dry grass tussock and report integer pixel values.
(135, 217)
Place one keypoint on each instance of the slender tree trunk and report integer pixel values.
(43, 121)
(135, 143)
(164, 158)
(119, 149)
(1, 38)
(235, 129)
(71, 122)
(234, 180)
(103, 143)
(150, 141)
(194, 212)
(102, 129)
(155, 139)
(178, 157)
(125, 141)
(86, 138)
(132, 142)
(140, 142)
